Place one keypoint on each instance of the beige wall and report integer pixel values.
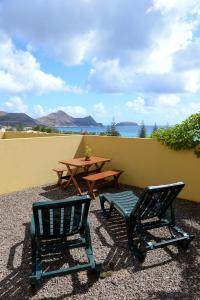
(1, 135)
(147, 162)
(28, 162)
(22, 134)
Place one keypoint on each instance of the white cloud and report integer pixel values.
(167, 100)
(164, 105)
(100, 112)
(99, 108)
(39, 110)
(20, 72)
(15, 104)
(108, 76)
(138, 105)
(78, 49)
(145, 48)
(179, 6)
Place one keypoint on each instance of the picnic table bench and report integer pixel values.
(60, 171)
(81, 167)
(93, 178)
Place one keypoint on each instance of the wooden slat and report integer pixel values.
(81, 162)
(101, 175)
(62, 169)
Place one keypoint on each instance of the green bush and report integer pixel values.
(43, 128)
(185, 135)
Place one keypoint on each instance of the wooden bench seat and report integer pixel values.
(93, 178)
(60, 170)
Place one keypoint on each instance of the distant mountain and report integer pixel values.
(60, 118)
(17, 119)
(2, 113)
(86, 121)
(127, 124)
(57, 119)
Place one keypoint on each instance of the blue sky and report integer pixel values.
(128, 59)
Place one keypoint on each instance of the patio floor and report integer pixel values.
(166, 273)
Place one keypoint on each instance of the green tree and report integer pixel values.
(185, 135)
(19, 127)
(142, 131)
(155, 128)
(112, 129)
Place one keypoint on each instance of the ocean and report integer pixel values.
(126, 131)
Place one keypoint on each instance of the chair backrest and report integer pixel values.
(155, 200)
(54, 219)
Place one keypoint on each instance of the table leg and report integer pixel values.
(99, 167)
(60, 174)
(116, 183)
(72, 173)
(91, 189)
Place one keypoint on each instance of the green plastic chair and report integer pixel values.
(153, 209)
(52, 223)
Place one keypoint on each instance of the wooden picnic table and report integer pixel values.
(76, 164)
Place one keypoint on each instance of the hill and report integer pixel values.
(127, 124)
(86, 121)
(17, 119)
(60, 118)
(2, 113)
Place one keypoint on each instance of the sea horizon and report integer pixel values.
(126, 131)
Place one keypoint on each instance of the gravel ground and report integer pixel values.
(166, 273)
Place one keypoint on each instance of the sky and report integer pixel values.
(131, 60)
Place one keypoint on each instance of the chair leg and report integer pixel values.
(184, 244)
(106, 212)
(36, 265)
(139, 252)
(89, 251)
(177, 232)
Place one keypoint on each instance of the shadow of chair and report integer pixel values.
(118, 257)
(16, 285)
(189, 262)
(54, 192)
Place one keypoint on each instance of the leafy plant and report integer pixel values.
(88, 151)
(142, 131)
(185, 135)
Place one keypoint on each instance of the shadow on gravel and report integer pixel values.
(16, 285)
(54, 192)
(119, 256)
(188, 218)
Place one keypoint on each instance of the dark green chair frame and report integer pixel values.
(153, 209)
(52, 222)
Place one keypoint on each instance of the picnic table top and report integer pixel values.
(81, 162)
